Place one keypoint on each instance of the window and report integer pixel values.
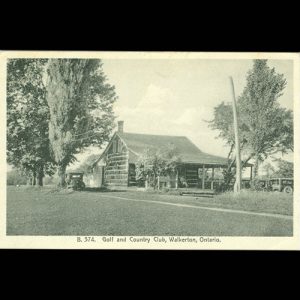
(119, 146)
(274, 181)
(287, 182)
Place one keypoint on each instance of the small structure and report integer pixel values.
(116, 165)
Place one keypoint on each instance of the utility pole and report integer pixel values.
(237, 185)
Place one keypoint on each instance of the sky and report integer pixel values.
(178, 96)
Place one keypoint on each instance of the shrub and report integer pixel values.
(50, 181)
(15, 178)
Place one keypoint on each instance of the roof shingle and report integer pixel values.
(189, 153)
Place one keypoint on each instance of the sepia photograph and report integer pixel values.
(149, 150)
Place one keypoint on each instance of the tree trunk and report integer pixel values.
(40, 180)
(255, 167)
(29, 181)
(40, 176)
(34, 179)
(154, 181)
(62, 174)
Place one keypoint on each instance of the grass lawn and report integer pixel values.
(268, 202)
(47, 212)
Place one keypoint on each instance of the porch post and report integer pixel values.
(203, 177)
(158, 182)
(251, 173)
(212, 178)
(176, 182)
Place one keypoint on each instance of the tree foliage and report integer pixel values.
(87, 164)
(284, 169)
(15, 177)
(269, 169)
(264, 127)
(156, 162)
(27, 118)
(80, 102)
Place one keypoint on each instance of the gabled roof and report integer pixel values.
(190, 153)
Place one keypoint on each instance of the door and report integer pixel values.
(131, 175)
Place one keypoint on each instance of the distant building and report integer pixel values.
(116, 165)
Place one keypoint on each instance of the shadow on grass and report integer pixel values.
(102, 190)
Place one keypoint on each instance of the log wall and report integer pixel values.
(116, 170)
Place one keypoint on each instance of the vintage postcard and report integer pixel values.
(149, 150)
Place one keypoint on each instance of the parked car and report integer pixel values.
(285, 185)
(75, 180)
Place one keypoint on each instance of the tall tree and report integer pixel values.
(264, 119)
(264, 127)
(80, 102)
(27, 118)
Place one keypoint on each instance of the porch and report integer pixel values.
(204, 177)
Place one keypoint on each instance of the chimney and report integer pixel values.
(121, 126)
